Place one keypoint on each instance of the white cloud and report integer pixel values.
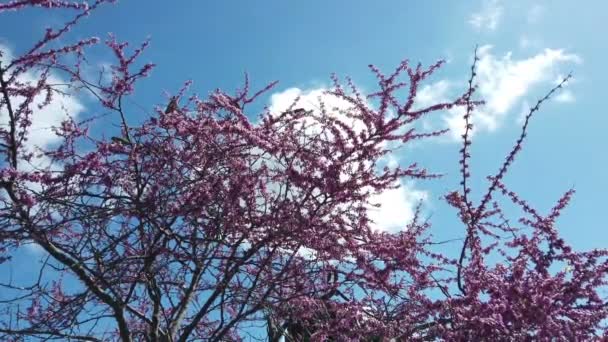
(503, 83)
(396, 205)
(41, 134)
(488, 17)
(432, 93)
(310, 100)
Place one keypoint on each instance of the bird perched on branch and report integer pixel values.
(299, 111)
(172, 106)
(120, 140)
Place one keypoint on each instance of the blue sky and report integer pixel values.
(526, 46)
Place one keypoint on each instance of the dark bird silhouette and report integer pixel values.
(172, 106)
(120, 140)
(299, 111)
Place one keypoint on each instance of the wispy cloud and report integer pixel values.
(503, 83)
(566, 96)
(488, 17)
(527, 42)
(535, 13)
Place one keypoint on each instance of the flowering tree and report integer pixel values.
(200, 224)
